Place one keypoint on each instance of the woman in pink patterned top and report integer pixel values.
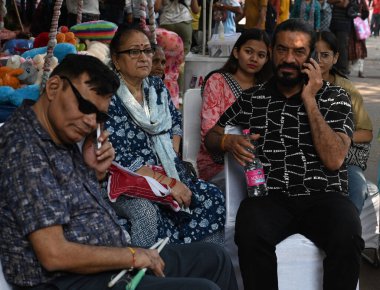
(247, 66)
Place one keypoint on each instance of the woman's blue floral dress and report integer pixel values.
(146, 222)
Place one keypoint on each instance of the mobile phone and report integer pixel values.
(98, 132)
(314, 56)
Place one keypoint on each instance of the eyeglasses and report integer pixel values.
(135, 53)
(324, 56)
(85, 106)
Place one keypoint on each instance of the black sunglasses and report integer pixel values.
(85, 106)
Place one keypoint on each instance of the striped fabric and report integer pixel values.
(95, 30)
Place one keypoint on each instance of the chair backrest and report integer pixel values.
(369, 217)
(3, 283)
(192, 105)
(235, 189)
(235, 181)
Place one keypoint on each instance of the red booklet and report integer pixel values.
(126, 182)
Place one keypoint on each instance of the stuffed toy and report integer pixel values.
(39, 61)
(68, 37)
(60, 51)
(99, 30)
(29, 76)
(17, 46)
(63, 29)
(98, 50)
(5, 93)
(8, 76)
(16, 97)
(80, 46)
(41, 40)
(15, 61)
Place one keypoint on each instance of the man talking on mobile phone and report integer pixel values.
(303, 131)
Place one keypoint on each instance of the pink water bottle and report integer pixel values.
(254, 174)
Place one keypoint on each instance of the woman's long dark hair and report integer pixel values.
(333, 44)
(232, 64)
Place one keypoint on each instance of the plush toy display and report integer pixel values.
(95, 30)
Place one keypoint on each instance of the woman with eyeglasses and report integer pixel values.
(327, 52)
(145, 130)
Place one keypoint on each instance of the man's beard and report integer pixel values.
(286, 79)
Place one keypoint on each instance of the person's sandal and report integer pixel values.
(361, 75)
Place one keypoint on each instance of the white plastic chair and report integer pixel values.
(191, 125)
(370, 224)
(3, 283)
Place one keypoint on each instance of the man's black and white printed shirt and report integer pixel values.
(286, 149)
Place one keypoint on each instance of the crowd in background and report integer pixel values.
(183, 17)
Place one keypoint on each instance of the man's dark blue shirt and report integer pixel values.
(43, 184)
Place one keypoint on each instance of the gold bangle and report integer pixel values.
(133, 251)
(160, 178)
(172, 183)
(222, 142)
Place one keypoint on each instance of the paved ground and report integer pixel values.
(370, 89)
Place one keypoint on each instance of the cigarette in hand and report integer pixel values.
(98, 143)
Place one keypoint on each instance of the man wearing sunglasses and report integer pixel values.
(56, 229)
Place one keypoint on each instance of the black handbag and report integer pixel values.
(364, 10)
(353, 9)
(358, 155)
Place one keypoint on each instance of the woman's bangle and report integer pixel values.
(222, 142)
(133, 251)
(172, 183)
(160, 178)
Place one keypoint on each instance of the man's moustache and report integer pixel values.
(288, 66)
